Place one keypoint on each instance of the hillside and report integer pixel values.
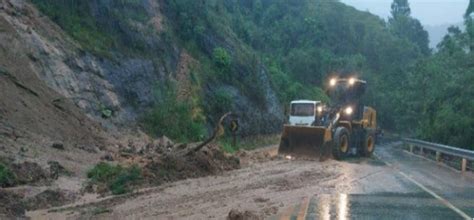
(248, 57)
(90, 81)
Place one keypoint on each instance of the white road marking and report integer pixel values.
(441, 199)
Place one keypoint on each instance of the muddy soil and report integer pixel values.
(265, 186)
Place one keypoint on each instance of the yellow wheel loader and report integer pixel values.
(342, 128)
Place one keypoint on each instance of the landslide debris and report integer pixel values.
(235, 214)
(11, 205)
(158, 162)
(49, 198)
(25, 173)
(209, 160)
(28, 173)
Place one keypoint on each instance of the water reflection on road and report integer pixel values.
(372, 206)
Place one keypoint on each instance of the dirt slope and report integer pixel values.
(32, 115)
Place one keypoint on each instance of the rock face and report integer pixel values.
(121, 84)
(118, 87)
(27, 103)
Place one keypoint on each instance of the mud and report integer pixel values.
(28, 173)
(261, 188)
(49, 198)
(243, 215)
(171, 167)
(11, 205)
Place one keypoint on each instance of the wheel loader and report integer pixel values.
(337, 129)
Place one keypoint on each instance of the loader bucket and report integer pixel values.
(305, 141)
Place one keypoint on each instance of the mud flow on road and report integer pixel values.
(271, 187)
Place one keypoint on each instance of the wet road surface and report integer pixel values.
(417, 189)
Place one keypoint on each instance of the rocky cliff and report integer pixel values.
(118, 85)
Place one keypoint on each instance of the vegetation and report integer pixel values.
(299, 44)
(116, 178)
(304, 42)
(96, 35)
(221, 59)
(7, 178)
(440, 91)
(174, 118)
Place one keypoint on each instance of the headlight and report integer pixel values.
(319, 109)
(352, 81)
(332, 82)
(348, 110)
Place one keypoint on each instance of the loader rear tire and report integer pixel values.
(368, 145)
(340, 149)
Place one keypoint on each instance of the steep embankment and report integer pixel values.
(33, 116)
(178, 65)
(66, 104)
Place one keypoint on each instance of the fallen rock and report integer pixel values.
(58, 146)
(11, 205)
(269, 211)
(164, 142)
(107, 157)
(171, 167)
(56, 169)
(260, 200)
(49, 198)
(28, 173)
(235, 214)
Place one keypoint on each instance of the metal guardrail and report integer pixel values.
(440, 149)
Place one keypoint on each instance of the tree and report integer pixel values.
(469, 23)
(406, 27)
(400, 8)
(470, 9)
(452, 42)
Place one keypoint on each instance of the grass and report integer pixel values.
(76, 19)
(226, 146)
(7, 178)
(118, 179)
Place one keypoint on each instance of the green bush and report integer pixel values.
(221, 58)
(7, 178)
(223, 61)
(97, 35)
(220, 102)
(118, 179)
(174, 118)
(227, 147)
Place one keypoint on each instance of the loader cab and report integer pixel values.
(346, 94)
(303, 112)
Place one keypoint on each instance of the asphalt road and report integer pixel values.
(405, 186)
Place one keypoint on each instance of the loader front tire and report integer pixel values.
(368, 145)
(340, 149)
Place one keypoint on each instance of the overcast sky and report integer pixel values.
(429, 12)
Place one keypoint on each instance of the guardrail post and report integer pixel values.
(438, 156)
(421, 150)
(463, 165)
(411, 148)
